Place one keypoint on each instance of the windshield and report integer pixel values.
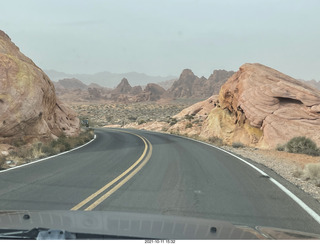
(174, 112)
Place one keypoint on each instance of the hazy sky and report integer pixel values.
(165, 36)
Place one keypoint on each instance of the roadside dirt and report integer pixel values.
(289, 165)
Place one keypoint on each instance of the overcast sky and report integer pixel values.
(165, 36)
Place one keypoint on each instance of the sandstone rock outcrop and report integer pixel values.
(262, 107)
(183, 86)
(200, 109)
(29, 108)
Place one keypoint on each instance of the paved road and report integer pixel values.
(139, 171)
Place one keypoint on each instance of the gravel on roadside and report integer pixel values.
(283, 163)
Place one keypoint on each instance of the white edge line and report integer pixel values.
(53, 156)
(305, 207)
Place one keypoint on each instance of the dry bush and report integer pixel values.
(2, 161)
(216, 140)
(311, 172)
(302, 145)
(280, 147)
(237, 145)
(172, 121)
(141, 122)
(189, 125)
(164, 129)
(40, 150)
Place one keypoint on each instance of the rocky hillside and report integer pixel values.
(258, 106)
(262, 107)
(186, 87)
(189, 85)
(152, 92)
(28, 105)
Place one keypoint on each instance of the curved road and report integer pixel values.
(147, 172)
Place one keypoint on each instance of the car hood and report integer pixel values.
(145, 226)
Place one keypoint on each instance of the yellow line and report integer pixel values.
(121, 183)
(117, 178)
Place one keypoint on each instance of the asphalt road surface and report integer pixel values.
(147, 172)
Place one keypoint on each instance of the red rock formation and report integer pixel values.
(200, 109)
(277, 104)
(29, 108)
(183, 86)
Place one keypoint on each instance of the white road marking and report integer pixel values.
(305, 207)
(53, 156)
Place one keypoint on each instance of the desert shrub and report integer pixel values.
(132, 118)
(141, 122)
(189, 117)
(280, 147)
(36, 150)
(237, 145)
(311, 172)
(19, 143)
(189, 125)
(302, 145)
(54, 143)
(2, 161)
(65, 146)
(25, 152)
(173, 121)
(164, 129)
(216, 140)
(48, 150)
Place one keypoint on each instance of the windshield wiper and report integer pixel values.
(38, 234)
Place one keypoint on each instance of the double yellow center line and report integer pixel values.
(105, 192)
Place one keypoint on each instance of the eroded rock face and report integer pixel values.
(189, 85)
(280, 106)
(201, 109)
(183, 86)
(29, 108)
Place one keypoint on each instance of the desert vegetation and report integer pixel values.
(25, 153)
(300, 144)
(310, 172)
(122, 114)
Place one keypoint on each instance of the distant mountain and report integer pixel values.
(108, 79)
(313, 83)
(70, 84)
(166, 84)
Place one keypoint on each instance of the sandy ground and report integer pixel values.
(289, 165)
